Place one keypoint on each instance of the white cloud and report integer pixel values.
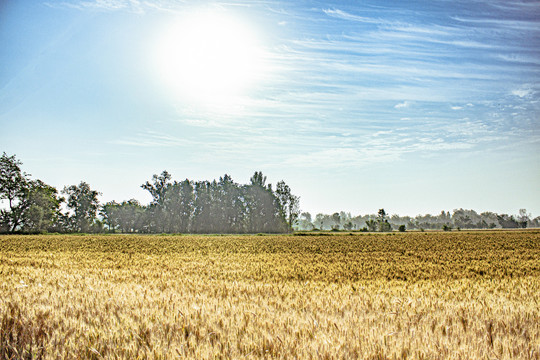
(521, 92)
(457, 107)
(344, 157)
(403, 105)
(340, 14)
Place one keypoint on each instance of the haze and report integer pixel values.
(415, 107)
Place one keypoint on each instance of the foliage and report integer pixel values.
(464, 219)
(219, 206)
(33, 206)
(126, 217)
(83, 203)
(288, 204)
(372, 225)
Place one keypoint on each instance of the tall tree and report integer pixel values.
(289, 203)
(178, 206)
(32, 205)
(523, 218)
(43, 211)
(15, 188)
(336, 218)
(263, 210)
(384, 225)
(109, 214)
(305, 221)
(84, 204)
(159, 218)
(202, 208)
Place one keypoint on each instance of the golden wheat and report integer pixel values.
(457, 295)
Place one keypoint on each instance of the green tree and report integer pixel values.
(159, 218)
(289, 204)
(263, 209)
(384, 225)
(32, 205)
(523, 218)
(43, 211)
(337, 221)
(305, 221)
(202, 208)
(83, 203)
(109, 214)
(371, 225)
(15, 188)
(128, 216)
(178, 206)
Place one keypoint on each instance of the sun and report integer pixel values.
(209, 56)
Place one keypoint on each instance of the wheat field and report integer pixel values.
(417, 295)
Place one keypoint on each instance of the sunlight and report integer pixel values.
(209, 57)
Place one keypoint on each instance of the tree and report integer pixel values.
(43, 211)
(129, 216)
(202, 208)
(264, 211)
(371, 225)
(289, 203)
(109, 213)
(507, 221)
(305, 221)
(83, 203)
(337, 220)
(158, 215)
(158, 187)
(320, 220)
(384, 225)
(178, 206)
(15, 188)
(32, 205)
(523, 218)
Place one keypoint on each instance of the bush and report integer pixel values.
(401, 228)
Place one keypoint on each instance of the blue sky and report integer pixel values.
(411, 106)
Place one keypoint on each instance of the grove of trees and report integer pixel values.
(218, 206)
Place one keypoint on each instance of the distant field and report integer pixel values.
(432, 295)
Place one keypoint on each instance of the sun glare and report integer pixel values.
(209, 57)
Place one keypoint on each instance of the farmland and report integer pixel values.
(418, 295)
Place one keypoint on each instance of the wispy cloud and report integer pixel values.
(103, 5)
(340, 14)
(154, 139)
(531, 25)
(403, 105)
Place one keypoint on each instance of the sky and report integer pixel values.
(410, 106)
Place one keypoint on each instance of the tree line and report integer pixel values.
(458, 219)
(218, 206)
